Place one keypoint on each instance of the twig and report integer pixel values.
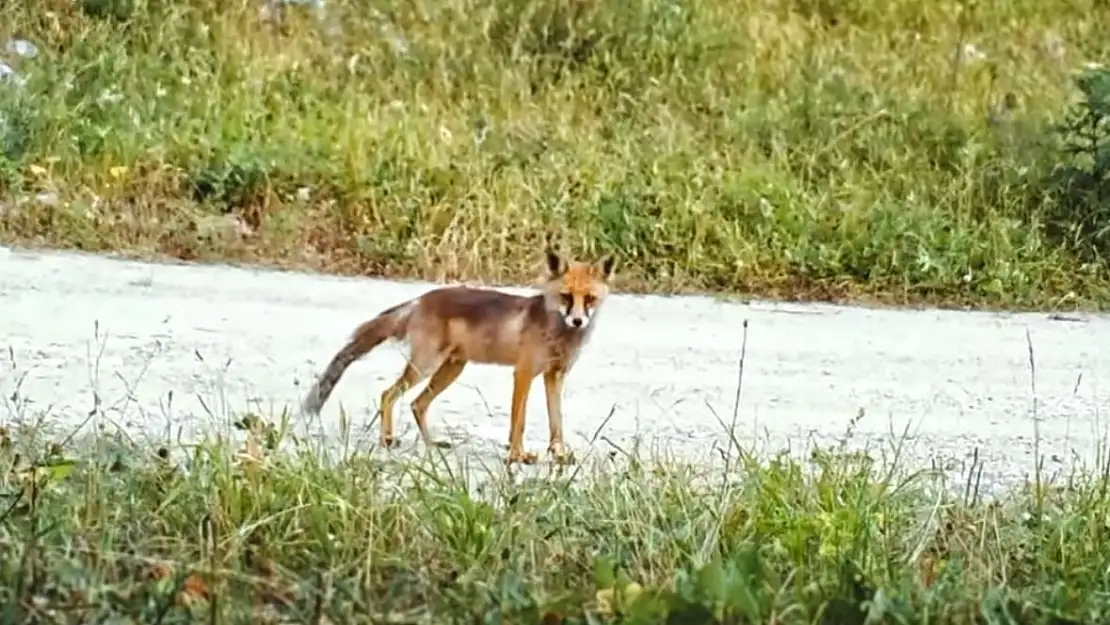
(1036, 425)
(736, 400)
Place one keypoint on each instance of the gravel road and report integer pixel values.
(172, 349)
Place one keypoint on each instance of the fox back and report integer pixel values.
(492, 327)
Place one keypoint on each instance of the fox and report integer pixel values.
(448, 327)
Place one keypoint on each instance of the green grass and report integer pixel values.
(224, 532)
(787, 148)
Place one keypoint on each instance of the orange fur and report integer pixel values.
(448, 327)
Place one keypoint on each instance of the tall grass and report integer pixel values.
(248, 535)
(796, 148)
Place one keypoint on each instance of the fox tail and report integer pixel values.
(391, 323)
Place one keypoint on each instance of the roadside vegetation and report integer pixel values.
(235, 532)
(948, 152)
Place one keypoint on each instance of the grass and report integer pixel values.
(787, 149)
(236, 532)
(259, 524)
(898, 151)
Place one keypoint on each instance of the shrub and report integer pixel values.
(797, 149)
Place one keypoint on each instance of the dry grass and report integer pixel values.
(223, 533)
(787, 148)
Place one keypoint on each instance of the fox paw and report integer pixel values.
(390, 442)
(565, 458)
(561, 455)
(521, 457)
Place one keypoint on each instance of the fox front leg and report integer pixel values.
(553, 386)
(522, 381)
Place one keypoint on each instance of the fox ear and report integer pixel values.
(555, 264)
(605, 266)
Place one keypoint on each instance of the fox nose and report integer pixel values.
(576, 322)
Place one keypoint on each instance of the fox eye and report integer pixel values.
(567, 299)
(589, 301)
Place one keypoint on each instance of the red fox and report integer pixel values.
(448, 327)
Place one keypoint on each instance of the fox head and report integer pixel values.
(577, 289)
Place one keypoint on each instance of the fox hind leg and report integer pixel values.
(422, 362)
(424, 359)
(409, 377)
(446, 375)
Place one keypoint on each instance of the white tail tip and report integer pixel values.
(310, 405)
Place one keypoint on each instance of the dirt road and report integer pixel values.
(225, 340)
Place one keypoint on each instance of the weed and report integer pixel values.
(260, 535)
(814, 149)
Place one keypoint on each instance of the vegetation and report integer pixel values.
(902, 150)
(243, 533)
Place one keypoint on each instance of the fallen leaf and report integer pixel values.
(604, 599)
(193, 591)
(252, 453)
(160, 571)
(53, 471)
(276, 595)
(631, 591)
(266, 567)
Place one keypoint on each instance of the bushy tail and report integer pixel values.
(391, 323)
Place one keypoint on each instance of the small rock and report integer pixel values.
(225, 227)
(23, 48)
(971, 53)
(398, 42)
(1054, 45)
(274, 10)
(481, 130)
(268, 13)
(7, 74)
(48, 198)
